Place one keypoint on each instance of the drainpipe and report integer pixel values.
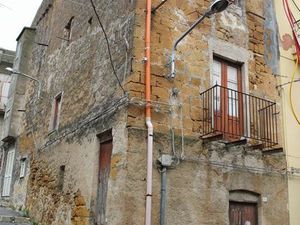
(163, 195)
(148, 112)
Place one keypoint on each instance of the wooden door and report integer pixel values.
(8, 173)
(228, 99)
(104, 170)
(243, 213)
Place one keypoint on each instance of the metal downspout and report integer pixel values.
(163, 195)
(148, 113)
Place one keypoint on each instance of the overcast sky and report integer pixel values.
(14, 15)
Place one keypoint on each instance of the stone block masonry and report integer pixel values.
(63, 177)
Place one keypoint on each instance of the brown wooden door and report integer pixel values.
(104, 170)
(228, 99)
(243, 213)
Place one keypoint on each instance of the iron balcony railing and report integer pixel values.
(237, 115)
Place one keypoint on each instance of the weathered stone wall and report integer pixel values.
(240, 34)
(198, 188)
(92, 103)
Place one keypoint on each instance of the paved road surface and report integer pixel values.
(3, 223)
(10, 213)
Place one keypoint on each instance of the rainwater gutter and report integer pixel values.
(148, 112)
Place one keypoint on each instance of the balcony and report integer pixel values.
(237, 116)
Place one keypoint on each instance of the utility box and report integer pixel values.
(166, 160)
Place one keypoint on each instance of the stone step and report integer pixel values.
(13, 219)
(6, 223)
(10, 216)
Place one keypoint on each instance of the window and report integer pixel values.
(61, 177)
(68, 29)
(23, 168)
(56, 113)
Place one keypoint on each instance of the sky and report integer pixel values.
(14, 15)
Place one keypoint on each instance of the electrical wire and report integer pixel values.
(292, 22)
(103, 114)
(296, 5)
(290, 92)
(235, 166)
(108, 46)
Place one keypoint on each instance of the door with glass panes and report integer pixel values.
(227, 99)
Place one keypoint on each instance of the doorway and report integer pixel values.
(106, 146)
(8, 173)
(241, 213)
(228, 99)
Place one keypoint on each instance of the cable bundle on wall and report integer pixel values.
(295, 28)
(294, 25)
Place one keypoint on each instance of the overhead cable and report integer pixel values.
(108, 46)
(293, 23)
(296, 5)
(290, 92)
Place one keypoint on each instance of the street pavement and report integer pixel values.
(7, 216)
(4, 223)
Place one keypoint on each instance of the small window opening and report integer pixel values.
(57, 108)
(90, 21)
(23, 168)
(68, 29)
(61, 177)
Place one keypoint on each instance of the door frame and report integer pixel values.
(236, 54)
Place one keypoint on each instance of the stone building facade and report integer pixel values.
(6, 61)
(84, 138)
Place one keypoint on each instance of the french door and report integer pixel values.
(228, 99)
(8, 173)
